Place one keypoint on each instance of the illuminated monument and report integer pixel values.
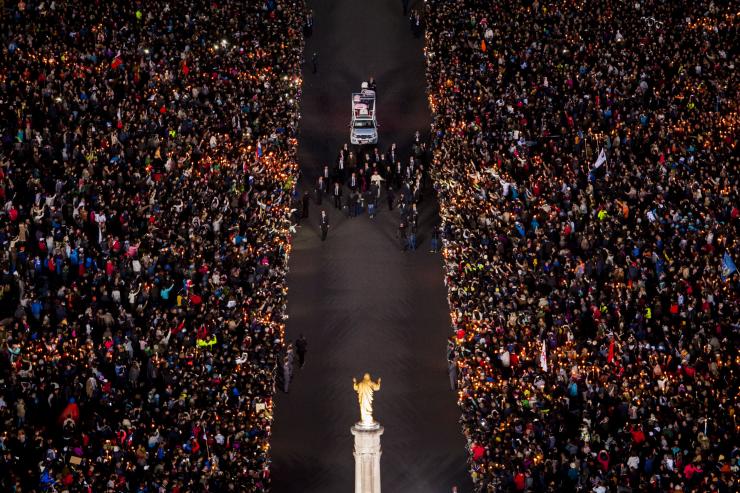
(367, 438)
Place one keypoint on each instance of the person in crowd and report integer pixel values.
(324, 225)
(352, 203)
(402, 232)
(147, 170)
(301, 347)
(370, 199)
(586, 165)
(411, 236)
(417, 22)
(391, 197)
(434, 248)
(308, 24)
(287, 368)
(320, 190)
(305, 204)
(337, 193)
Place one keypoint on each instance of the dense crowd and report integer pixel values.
(147, 175)
(587, 168)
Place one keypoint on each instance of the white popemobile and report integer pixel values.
(364, 126)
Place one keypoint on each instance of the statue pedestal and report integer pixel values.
(367, 457)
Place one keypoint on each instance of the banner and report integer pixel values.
(728, 266)
(600, 161)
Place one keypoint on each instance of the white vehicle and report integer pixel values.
(364, 126)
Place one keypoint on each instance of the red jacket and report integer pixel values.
(478, 452)
(519, 481)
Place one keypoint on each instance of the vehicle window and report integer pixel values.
(363, 124)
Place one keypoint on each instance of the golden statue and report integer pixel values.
(365, 390)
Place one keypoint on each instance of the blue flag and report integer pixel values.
(728, 266)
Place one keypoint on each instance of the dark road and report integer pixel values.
(361, 302)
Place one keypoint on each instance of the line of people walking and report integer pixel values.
(363, 184)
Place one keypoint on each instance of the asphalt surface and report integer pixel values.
(361, 302)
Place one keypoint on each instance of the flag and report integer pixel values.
(543, 357)
(601, 160)
(611, 351)
(258, 152)
(728, 266)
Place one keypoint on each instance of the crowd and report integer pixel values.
(586, 162)
(147, 173)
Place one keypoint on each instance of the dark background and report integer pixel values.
(361, 302)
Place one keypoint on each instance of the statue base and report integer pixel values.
(367, 457)
(361, 425)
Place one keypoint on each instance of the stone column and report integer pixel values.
(367, 457)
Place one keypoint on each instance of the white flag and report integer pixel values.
(543, 357)
(600, 160)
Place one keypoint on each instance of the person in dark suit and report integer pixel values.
(402, 236)
(344, 151)
(435, 239)
(392, 154)
(354, 198)
(413, 215)
(412, 235)
(327, 174)
(324, 225)
(339, 169)
(304, 205)
(308, 24)
(320, 189)
(370, 200)
(391, 198)
(337, 192)
(301, 347)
